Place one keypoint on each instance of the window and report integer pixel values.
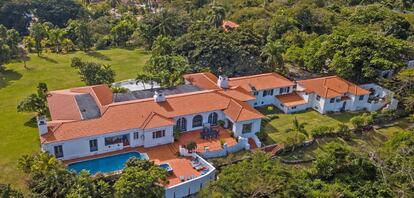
(255, 93)
(332, 100)
(182, 124)
(93, 145)
(284, 90)
(294, 107)
(212, 118)
(58, 151)
(136, 135)
(318, 97)
(158, 134)
(268, 92)
(361, 97)
(197, 121)
(247, 128)
(282, 105)
(113, 140)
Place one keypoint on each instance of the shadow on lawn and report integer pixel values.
(7, 76)
(48, 59)
(98, 55)
(32, 123)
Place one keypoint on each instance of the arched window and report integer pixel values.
(212, 118)
(197, 121)
(182, 124)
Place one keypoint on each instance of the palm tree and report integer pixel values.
(216, 15)
(165, 23)
(56, 36)
(298, 129)
(272, 52)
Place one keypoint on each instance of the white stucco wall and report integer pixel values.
(220, 116)
(269, 99)
(80, 147)
(238, 126)
(149, 141)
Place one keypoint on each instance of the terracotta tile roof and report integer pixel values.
(239, 111)
(238, 93)
(229, 25)
(205, 80)
(331, 86)
(261, 81)
(147, 113)
(291, 99)
(101, 93)
(155, 120)
(63, 106)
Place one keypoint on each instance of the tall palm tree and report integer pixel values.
(165, 23)
(216, 15)
(298, 129)
(272, 53)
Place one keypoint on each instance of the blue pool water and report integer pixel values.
(106, 164)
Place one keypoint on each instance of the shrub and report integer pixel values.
(191, 145)
(322, 131)
(262, 136)
(222, 142)
(221, 123)
(176, 132)
(269, 118)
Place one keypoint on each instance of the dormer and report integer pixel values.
(159, 97)
(223, 82)
(42, 124)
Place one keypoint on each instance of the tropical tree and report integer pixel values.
(56, 37)
(141, 181)
(216, 15)
(272, 53)
(122, 32)
(298, 131)
(36, 102)
(7, 191)
(93, 73)
(38, 32)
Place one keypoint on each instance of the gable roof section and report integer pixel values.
(239, 111)
(205, 80)
(155, 120)
(238, 93)
(63, 105)
(261, 82)
(331, 86)
(291, 99)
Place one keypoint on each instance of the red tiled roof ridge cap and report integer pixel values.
(251, 76)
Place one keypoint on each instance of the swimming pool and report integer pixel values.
(106, 164)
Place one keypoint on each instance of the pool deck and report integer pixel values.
(168, 153)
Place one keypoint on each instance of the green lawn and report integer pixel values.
(312, 119)
(18, 135)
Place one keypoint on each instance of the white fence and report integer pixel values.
(242, 144)
(192, 186)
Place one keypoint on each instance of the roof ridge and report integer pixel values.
(151, 99)
(250, 76)
(204, 74)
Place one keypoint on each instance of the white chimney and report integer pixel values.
(223, 82)
(42, 124)
(159, 97)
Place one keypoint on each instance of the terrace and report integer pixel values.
(182, 168)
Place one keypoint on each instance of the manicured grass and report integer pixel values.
(18, 135)
(277, 128)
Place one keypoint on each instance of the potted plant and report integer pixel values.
(176, 133)
(221, 123)
(191, 146)
(222, 142)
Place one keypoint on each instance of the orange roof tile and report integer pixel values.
(261, 81)
(291, 99)
(331, 86)
(229, 24)
(156, 120)
(238, 111)
(149, 114)
(204, 80)
(238, 93)
(63, 106)
(101, 93)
